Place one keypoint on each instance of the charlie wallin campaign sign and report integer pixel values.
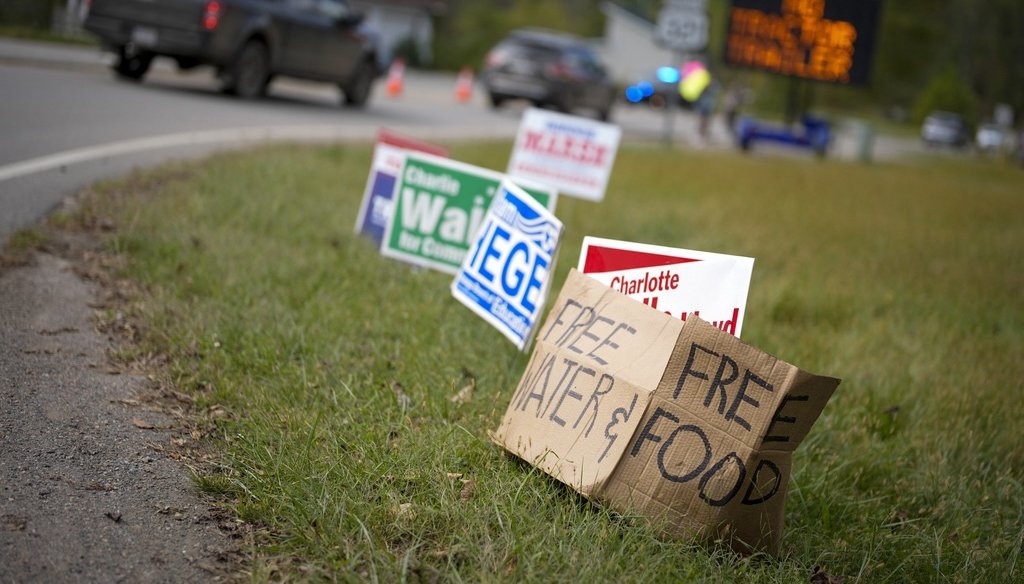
(505, 276)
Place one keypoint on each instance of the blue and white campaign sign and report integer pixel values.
(506, 274)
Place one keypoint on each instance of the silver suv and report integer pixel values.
(550, 69)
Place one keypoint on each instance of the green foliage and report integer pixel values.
(947, 91)
(409, 50)
(25, 239)
(27, 13)
(338, 367)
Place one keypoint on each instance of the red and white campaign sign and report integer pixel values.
(573, 154)
(678, 282)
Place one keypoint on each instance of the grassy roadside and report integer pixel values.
(333, 371)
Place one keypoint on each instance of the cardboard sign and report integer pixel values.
(573, 154)
(506, 274)
(388, 157)
(439, 207)
(674, 420)
(678, 282)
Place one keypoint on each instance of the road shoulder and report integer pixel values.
(93, 484)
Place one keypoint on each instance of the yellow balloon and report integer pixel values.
(694, 84)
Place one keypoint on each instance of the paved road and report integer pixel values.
(67, 122)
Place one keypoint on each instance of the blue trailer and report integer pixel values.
(812, 133)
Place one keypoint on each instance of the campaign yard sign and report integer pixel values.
(439, 208)
(506, 274)
(677, 421)
(388, 157)
(678, 282)
(573, 154)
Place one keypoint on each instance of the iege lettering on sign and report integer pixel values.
(506, 273)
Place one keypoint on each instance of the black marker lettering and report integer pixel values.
(741, 396)
(558, 319)
(595, 399)
(615, 421)
(689, 370)
(576, 324)
(720, 383)
(698, 469)
(753, 483)
(720, 467)
(608, 342)
(568, 392)
(569, 366)
(779, 418)
(586, 333)
(646, 434)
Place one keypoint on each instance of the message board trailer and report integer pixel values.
(823, 40)
(439, 208)
(388, 158)
(507, 273)
(573, 154)
(676, 421)
(678, 282)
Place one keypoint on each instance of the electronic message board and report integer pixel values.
(823, 40)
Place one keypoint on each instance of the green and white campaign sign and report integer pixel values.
(439, 207)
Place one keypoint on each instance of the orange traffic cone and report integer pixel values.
(396, 77)
(464, 85)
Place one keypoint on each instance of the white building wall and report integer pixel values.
(396, 24)
(628, 48)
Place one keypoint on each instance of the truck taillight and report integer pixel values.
(211, 15)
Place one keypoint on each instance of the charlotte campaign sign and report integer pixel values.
(388, 157)
(678, 282)
(573, 154)
(439, 207)
(506, 274)
(673, 420)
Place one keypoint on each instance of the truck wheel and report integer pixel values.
(357, 91)
(248, 75)
(131, 64)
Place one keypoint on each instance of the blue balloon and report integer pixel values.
(634, 94)
(645, 88)
(668, 74)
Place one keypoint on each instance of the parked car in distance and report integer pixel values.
(247, 41)
(550, 69)
(945, 129)
(991, 137)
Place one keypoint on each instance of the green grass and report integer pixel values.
(35, 34)
(336, 367)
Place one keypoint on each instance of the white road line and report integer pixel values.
(242, 137)
(304, 133)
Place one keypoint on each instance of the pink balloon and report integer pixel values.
(691, 67)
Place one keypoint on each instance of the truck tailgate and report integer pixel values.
(172, 14)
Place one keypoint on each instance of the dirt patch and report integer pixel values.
(93, 480)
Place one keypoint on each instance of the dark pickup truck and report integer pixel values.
(247, 41)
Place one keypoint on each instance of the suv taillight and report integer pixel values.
(494, 58)
(211, 15)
